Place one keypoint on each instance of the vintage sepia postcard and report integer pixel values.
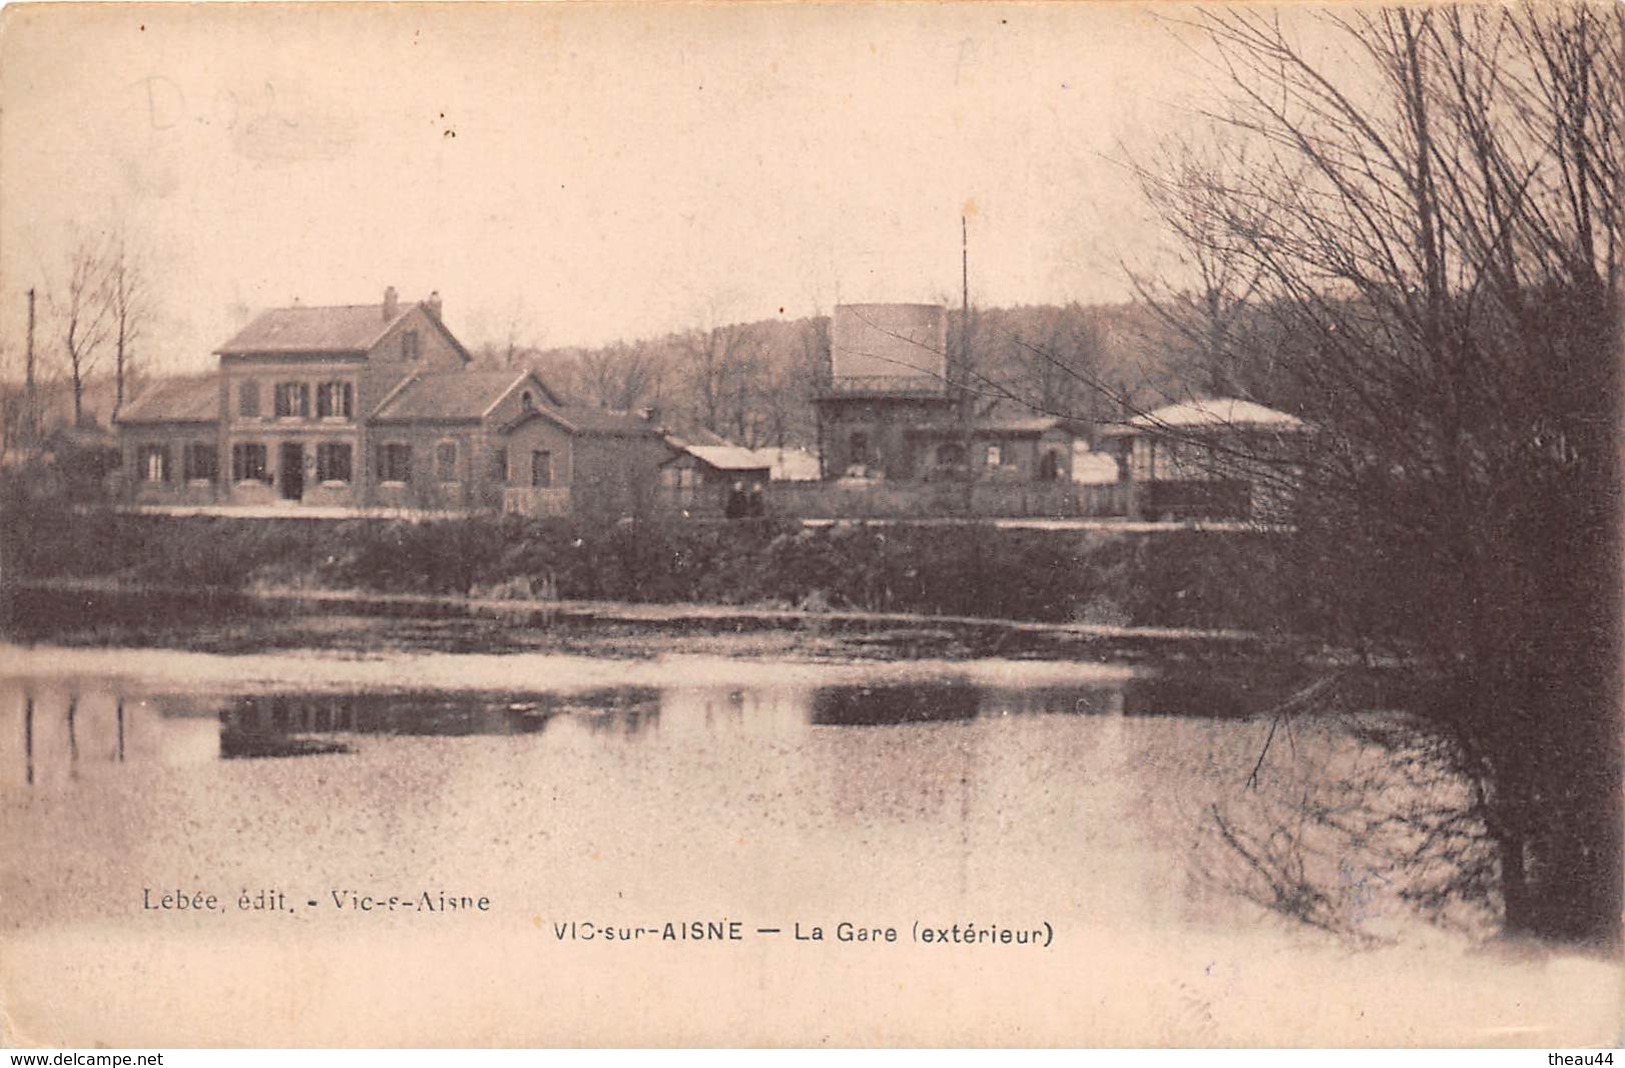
(894, 524)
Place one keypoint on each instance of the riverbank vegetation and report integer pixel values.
(1418, 253)
(1168, 579)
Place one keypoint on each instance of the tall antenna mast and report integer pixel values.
(962, 402)
(30, 417)
(964, 300)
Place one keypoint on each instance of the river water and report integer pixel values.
(1136, 831)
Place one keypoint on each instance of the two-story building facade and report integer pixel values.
(377, 406)
(297, 385)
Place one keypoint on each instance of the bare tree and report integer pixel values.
(1205, 318)
(518, 344)
(129, 300)
(745, 373)
(84, 313)
(619, 376)
(792, 380)
(1433, 230)
(1047, 360)
(717, 367)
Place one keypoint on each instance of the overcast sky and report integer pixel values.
(587, 172)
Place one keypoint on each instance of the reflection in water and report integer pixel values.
(871, 706)
(1053, 701)
(1201, 695)
(307, 724)
(1112, 789)
(73, 736)
(53, 746)
(277, 725)
(254, 744)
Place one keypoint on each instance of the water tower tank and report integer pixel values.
(896, 345)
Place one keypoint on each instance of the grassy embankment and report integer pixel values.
(1170, 579)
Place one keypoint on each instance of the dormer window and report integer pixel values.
(410, 350)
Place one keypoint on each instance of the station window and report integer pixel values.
(335, 400)
(248, 463)
(202, 462)
(153, 463)
(333, 462)
(394, 462)
(292, 400)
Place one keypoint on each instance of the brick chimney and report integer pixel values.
(432, 305)
(392, 303)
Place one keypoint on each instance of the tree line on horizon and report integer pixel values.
(753, 383)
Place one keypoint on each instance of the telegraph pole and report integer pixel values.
(961, 386)
(31, 411)
(964, 297)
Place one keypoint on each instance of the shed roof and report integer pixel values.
(1213, 414)
(729, 457)
(182, 399)
(790, 464)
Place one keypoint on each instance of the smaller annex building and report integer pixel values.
(714, 480)
(1214, 458)
(377, 405)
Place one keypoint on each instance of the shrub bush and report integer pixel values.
(1168, 579)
